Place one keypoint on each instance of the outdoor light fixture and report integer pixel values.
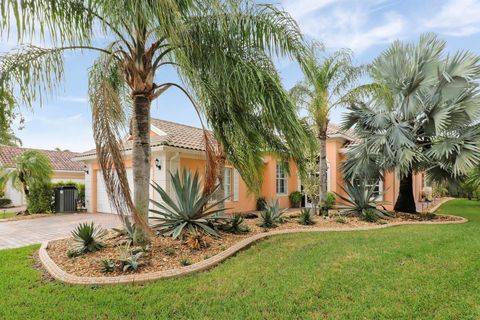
(85, 169)
(158, 164)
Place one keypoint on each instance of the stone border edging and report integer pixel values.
(61, 275)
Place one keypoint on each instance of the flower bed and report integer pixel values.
(165, 253)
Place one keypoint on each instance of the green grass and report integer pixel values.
(5, 215)
(407, 272)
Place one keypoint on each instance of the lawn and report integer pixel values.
(5, 215)
(428, 272)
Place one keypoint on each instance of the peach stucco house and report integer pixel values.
(176, 146)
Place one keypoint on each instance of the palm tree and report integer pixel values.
(222, 51)
(327, 84)
(421, 113)
(32, 170)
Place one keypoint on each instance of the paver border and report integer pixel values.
(59, 274)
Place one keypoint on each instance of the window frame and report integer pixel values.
(280, 169)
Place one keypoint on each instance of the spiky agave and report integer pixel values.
(360, 200)
(190, 209)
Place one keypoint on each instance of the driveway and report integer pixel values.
(14, 234)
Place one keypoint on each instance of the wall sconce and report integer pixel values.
(85, 169)
(158, 164)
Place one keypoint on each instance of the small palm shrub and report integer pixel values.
(170, 252)
(88, 237)
(128, 230)
(235, 225)
(306, 217)
(191, 208)
(107, 265)
(295, 198)
(360, 201)
(272, 215)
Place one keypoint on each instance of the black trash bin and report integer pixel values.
(66, 199)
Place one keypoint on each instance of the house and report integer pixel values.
(176, 147)
(64, 169)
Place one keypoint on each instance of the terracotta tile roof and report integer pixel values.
(61, 160)
(334, 129)
(187, 137)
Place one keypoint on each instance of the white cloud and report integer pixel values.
(73, 99)
(352, 24)
(456, 18)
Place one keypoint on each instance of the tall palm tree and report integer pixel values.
(32, 169)
(222, 51)
(327, 84)
(421, 113)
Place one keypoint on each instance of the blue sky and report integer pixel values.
(365, 26)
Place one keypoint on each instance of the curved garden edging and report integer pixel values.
(63, 276)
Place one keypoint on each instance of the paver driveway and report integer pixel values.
(14, 234)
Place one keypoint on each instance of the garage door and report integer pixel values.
(103, 204)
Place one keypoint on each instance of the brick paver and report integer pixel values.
(15, 234)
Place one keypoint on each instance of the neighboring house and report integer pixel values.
(176, 146)
(64, 169)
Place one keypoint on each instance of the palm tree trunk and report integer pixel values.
(406, 201)
(322, 137)
(141, 155)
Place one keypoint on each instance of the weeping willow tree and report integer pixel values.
(421, 113)
(222, 51)
(327, 84)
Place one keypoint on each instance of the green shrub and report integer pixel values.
(370, 215)
(185, 262)
(107, 265)
(341, 220)
(189, 209)
(41, 199)
(261, 204)
(5, 202)
(329, 201)
(72, 253)
(88, 237)
(306, 217)
(235, 225)
(295, 198)
(272, 215)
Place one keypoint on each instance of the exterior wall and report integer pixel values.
(269, 186)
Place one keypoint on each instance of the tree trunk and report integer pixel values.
(141, 156)
(322, 137)
(406, 201)
(221, 179)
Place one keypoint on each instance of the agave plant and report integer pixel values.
(236, 225)
(272, 215)
(306, 217)
(360, 201)
(191, 209)
(88, 237)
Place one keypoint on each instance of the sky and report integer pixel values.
(367, 27)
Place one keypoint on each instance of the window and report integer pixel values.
(281, 178)
(378, 187)
(227, 183)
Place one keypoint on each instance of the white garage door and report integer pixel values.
(103, 204)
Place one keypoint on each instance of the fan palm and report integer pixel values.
(222, 51)
(327, 84)
(421, 113)
(32, 169)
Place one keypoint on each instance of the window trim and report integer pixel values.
(285, 178)
(230, 194)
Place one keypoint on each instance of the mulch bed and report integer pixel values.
(165, 253)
